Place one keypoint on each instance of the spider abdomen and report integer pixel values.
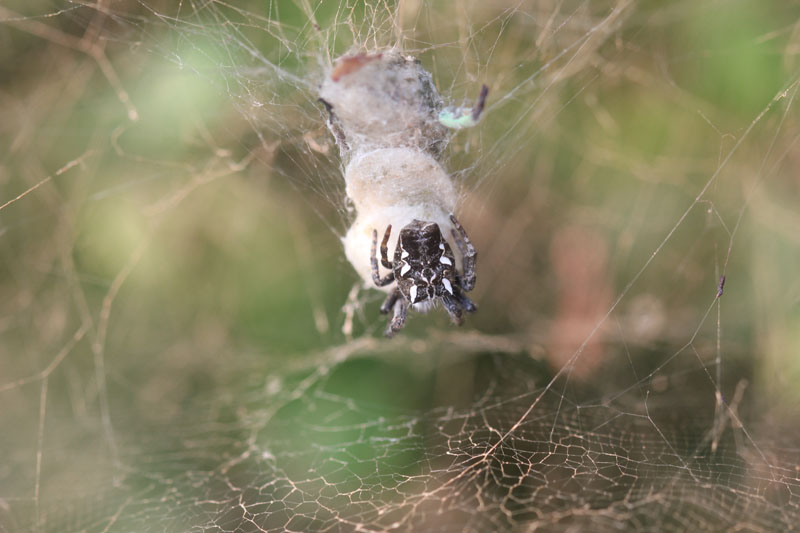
(423, 262)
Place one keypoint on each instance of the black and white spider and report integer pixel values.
(425, 271)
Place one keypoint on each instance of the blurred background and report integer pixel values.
(183, 345)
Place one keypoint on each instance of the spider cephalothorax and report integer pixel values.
(424, 269)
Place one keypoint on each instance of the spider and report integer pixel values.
(424, 268)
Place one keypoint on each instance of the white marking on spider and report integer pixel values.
(441, 246)
(404, 254)
(405, 269)
(424, 306)
(445, 261)
(447, 286)
(413, 293)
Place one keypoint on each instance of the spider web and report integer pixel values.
(181, 349)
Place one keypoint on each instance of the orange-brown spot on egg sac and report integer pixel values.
(348, 65)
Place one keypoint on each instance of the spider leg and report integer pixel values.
(389, 302)
(468, 305)
(399, 319)
(453, 309)
(468, 254)
(478, 109)
(376, 275)
(384, 259)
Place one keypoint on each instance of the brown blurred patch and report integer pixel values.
(579, 257)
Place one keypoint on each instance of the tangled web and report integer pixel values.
(324, 462)
(182, 351)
